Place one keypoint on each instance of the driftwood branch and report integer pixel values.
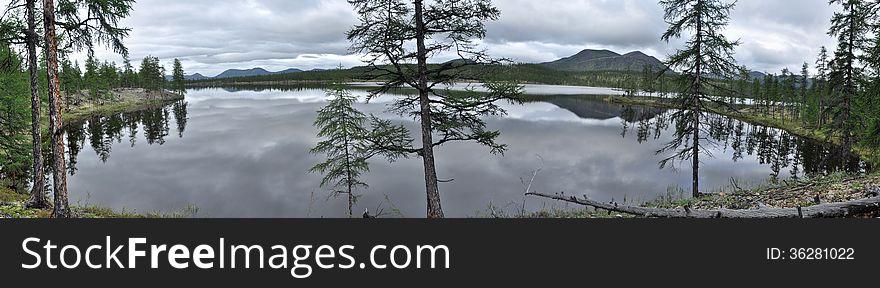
(828, 210)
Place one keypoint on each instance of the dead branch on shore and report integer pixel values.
(865, 206)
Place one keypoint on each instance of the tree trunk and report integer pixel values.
(38, 197)
(868, 206)
(695, 167)
(433, 191)
(59, 169)
(696, 156)
(348, 173)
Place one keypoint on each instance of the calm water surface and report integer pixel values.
(244, 153)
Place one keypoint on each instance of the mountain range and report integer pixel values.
(588, 60)
(233, 73)
(604, 60)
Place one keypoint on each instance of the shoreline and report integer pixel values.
(134, 100)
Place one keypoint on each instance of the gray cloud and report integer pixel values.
(211, 36)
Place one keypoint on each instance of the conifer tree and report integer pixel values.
(349, 144)
(177, 78)
(707, 52)
(38, 194)
(399, 37)
(850, 26)
(151, 74)
(822, 69)
(84, 23)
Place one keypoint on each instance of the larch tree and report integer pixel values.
(803, 87)
(151, 74)
(399, 38)
(850, 26)
(24, 31)
(707, 54)
(348, 144)
(822, 68)
(38, 194)
(870, 102)
(83, 23)
(177, 78)
(129, 76)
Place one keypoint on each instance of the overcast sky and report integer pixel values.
(210, 36)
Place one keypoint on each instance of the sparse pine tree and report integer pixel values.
(348, 145)
(821, 90)
(707, 52)
(384, 34)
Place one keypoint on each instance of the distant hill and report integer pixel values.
(605, 60)
(196, 76)
(234, 73)
(756, 75)
(252, 72)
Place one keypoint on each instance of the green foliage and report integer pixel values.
(89, 22)
(707, 54)
(152, 74)
(129, 77)
(71, 77)
(91, 77)
(177, 78)
(349, 144)
(851, 26)
(345, 147)
(15, 142)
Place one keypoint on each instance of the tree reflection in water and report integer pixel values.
(102, 131)
(775, 147)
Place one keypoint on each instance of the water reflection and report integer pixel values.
(777, 148)
(103, 131)
(245, 154)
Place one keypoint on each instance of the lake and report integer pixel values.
(244, 152)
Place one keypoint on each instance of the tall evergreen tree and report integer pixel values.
(151, 74)
(59, 182)
(786, 89)
(177, 78)
(90, 77)
(850, 26)
(85, 23)
(803, 87)
(129, 76)
(38, 194)
(707, 52)
(399, 38)
(822, 70)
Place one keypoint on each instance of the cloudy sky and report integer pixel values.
(210, 36)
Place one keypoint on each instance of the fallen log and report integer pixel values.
(827, 210)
